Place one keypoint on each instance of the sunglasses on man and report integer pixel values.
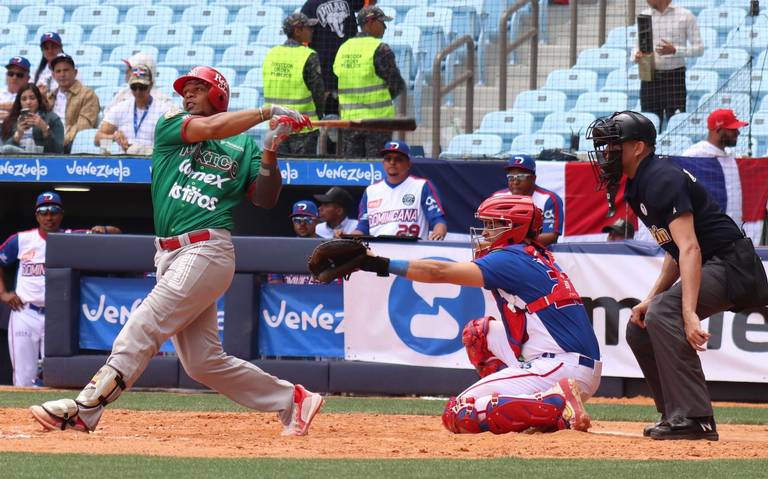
(15, 74)
(299, 220)
(50, 209)
(518, 176)
(139, 87)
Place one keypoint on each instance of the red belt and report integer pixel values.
(170, 244)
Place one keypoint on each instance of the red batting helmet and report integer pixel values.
(508, 219)
(218, 94)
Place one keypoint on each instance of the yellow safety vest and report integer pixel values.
(362, 93)
(283, 73)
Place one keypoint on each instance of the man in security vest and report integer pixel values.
(291, 73)
(368, 82)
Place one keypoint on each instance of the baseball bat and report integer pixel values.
(378, 124)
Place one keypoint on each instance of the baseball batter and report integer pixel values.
(26, 326)
(202, 167)
(401, 204)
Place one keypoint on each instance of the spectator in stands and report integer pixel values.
(51, 45)
(675, 37)
(16, 76)
(304, 216)
(30, 123)
(336, 25)
(76, 104)
(131, 124)
(292, 77)
(401, 205)
(368, 82)
(620, 230)
(723, 127)
(335, 205)
(521, 180)
(158, 95)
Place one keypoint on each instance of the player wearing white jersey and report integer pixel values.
(26, 332)
(401, 204)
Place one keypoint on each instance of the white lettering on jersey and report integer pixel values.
(398, 211)
(208, 178)
(193, 196)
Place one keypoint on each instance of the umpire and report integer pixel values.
(717, 266)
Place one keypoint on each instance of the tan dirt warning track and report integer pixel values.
(362, 436)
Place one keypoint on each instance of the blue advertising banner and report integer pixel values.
(301, 320)
(107, 303)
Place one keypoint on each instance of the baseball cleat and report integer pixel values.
(306, 404)
(573, 413)
(58, 415)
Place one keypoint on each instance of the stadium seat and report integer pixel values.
(473, 146)
(507, 124)
(254, 79)
(402, 39)
(257, 16)
(696, 6)
(83, 143)
(672, 144)
(71, 33)
(229, 73)
(622, 37)
(738, 102)
(178, 6)
(36, 15)
(165, 77)
(271, 35)
(540, 102)
(243, 58)
(402, 6)
(184, 57)
(572, 82)
(699, 83)
(86, 55)
(90, 16)
(568, 124)
(435, 26)
(96, 76)
(741, 149)
(234, 5)
(200, 16)
(110, 36)
(602, 60)
(222, 36)
(70, 6)
(13, 34)
(166, 36)
(602, 103)
(709, 37)
(466, 17)
(689, 124)
(15, 6)
(145, 16)
(242, 98)
(124, 5)
(5, 16)
(724, 61)
(30, 52)
(534, 143)
(745, 37)
(288, 6)
(106, 94)
(757, 84)
(625, 81)
(124, 52)
(759, 126)
(723, 19)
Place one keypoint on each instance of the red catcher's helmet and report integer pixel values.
(507, 219)
(218, 94)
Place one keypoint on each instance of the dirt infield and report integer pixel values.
(236, 435)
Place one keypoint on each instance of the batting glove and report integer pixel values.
(280, 127)
(278, 110)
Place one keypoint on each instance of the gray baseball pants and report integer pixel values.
(670, 365)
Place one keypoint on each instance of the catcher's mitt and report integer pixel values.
(339, 258)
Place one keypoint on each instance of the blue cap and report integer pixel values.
(304, 208)
(396, 146)
(50, 37)
(20, 62)
(48, 198)
(526, 162)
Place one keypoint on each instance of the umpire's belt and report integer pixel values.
(176, 242)
(583, 360)
(39, 309)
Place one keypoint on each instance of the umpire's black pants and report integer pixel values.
(670, 365)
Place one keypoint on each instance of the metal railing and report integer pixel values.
(438, 91)
(505, 48)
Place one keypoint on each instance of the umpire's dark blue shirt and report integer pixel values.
(661, 191)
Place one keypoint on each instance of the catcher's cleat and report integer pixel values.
(59, 415)
(306, 405)
(574, 413)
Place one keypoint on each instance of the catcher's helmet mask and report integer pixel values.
(507, 219)
(613, 130)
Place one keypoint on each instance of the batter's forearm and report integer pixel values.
(268, 184)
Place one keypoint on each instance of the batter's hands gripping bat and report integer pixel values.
(375, 124)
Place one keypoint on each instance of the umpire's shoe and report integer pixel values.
(305, 405)
(687, 428)
(663, 423)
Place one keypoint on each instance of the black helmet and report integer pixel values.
(620, 127)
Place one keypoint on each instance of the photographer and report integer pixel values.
(30, 124)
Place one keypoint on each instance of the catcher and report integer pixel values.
(541, 359)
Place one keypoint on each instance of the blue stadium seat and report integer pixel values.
(124, 5)
(242, 98)
(15, 6)
(696, 6)
(741, 149)
(622, 37)
(106, 94)
(165, 77)
(757, 84)
(402, 39)
(625, 81)
(184, 57)
(90, 16)
(507, 124)
(654, 119)
(473, 145)
(12, 34)
(402, 6)
(258, 16)
(166, 36)
(709, 37)
(271, 35)
(724, 61)
(96, 76)
(738, 102)
(690, 124)
(540, 102)
(5, 16)
(145, 16)
(200, 16)
(110, 36)
(254, 79)
(288, 6)
(36, 15)
(83, 143)
(86, 54)
(746, 37)
(124, 52)
(229, 73)
(70, 6)
(723, 18)
(434, 24)
(222, 36)
(572, 82)
(534, 143)
(242, 58)
(759, 125)
(602, 60)
(71, 33)
(672, 144)
(466, 17)
(568, 124)
(699, 83)
(602, 103)
(30, 52)
(234, 5)
(178, 6)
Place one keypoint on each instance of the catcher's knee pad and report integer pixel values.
(461, 417)
(475, 339)
(510, 414)
(105, 387)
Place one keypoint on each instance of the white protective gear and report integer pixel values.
(277, 135)
(278, 110)
(105, 387)
(59, 414)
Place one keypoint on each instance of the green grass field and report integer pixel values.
(84, 466)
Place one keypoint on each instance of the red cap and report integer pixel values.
(724, 118)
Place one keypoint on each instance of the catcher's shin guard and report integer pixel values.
(461, 417)
(510, 414)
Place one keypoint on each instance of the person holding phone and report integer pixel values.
(31, 126)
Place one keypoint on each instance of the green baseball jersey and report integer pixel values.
(195, 186)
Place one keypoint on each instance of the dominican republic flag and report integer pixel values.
(740, 186)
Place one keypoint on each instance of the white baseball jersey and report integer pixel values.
(410, 208)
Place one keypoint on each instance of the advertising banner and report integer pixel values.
(301, 320)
